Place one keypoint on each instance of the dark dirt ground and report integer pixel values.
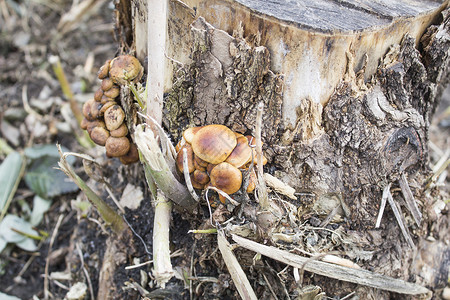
(29, 34)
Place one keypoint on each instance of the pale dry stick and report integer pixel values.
(156, 34)
(85, 271)
(162, 267)
(187, 178)
(270, 286)
(400, 220)
(264, 198)
(382, 205)
(358, 276)
(411, 203)
(176, 253)
(26, 105)
(47, 261)
(237, 274)
(114, 199)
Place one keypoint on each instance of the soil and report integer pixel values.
(29, 35)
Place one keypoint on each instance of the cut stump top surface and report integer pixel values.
(346, 15)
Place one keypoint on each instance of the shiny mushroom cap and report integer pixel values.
(226, 177)
(214, 143)
(114, 117)
(241, 154)
(124, 69)
(189, 133)
(190, 159)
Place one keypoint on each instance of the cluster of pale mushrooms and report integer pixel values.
(104, 118)
(215, 156)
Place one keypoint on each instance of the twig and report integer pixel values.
(237, 274)
(358, 276)
(411, 203)
(270, 287)
(86, 273)
(65, 86)
(138, 236)
(47, 261)
(262, 189)
(161, 252)
(160, 170)
(400, 220)
(382, 205)
(187, 178)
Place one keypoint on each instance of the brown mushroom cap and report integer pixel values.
(105, 106)
(92, 124)
(252, 181)
(214, 143)
(226, 177)
(87, 109)
(252, 142)
(98, 95)
(117, 146)
(209, 168)
(104, 70)
(107, 84)
(197, 166)
(114, 117)
(95, 109)
(189, 133)
(99, 135)
(196, 184)
(200, 161)
(241, 154)
(132, 155)
(200, 176)
(113, 92)
(106, 99)
(84, 123)
(125, 68)
(190, 158)
(121, 131)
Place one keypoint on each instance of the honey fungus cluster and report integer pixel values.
(104, 118)
(216, 155)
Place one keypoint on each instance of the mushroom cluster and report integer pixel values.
(216, 155)
(104, 118)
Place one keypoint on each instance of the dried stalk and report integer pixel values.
(262, 189)
(411, 203)
(237, 274)
(160, 170)
(358, 276)
(161, 253)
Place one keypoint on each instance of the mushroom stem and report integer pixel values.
(187, 178)
(262, 189)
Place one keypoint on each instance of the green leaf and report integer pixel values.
(40, 206)
(39, 151)
(3, 244)
(42, 177)
(11, 222)
(27, 245)
(8, 297)
(10, 171)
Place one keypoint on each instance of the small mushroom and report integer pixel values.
(189, 133)
(214, 143)
(104, 70)
(84, 123)
(107, 84)
(201, 177)
(196, 184)
(105, 107)
(241, 154)
(114, 117)
(197, 166)
(124, 69)
(98, 95)
(226, 177)
(95, 109)
(87, 109)
(252, 181)
(113, 92)
(106, 99)
(190, 159)
(121, 131)
(92, 124)
(117, 146)
(99, 135)
(132, 156)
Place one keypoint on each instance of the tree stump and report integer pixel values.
(349, 89)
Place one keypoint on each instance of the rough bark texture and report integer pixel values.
(366, 135)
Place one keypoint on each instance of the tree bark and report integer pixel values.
(349, 90)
